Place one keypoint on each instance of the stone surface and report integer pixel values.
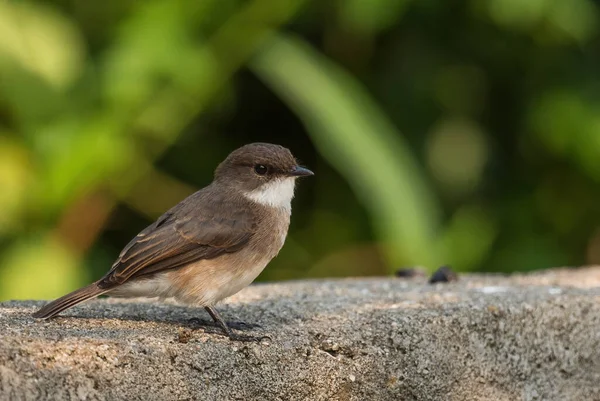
(527, 337)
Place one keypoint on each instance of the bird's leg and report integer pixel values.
(219, 320)
(232, 336)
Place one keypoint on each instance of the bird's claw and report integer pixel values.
(246, 338)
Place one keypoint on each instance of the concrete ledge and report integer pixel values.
(534, 337)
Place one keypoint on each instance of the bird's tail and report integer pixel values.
(69, 300)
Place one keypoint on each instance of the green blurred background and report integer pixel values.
(461, 132)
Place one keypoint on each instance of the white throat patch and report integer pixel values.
(277, 193)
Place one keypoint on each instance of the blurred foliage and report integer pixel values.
(459, 132)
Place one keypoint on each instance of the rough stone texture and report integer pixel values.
(528, 337)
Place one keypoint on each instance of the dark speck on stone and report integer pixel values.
(443, 275)
(409, 272)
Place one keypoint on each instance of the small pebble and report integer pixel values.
(443, 275)
(265, 341)
(184, 335)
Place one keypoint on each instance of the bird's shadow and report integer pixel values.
(175, 315)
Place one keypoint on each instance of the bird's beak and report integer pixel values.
(300, 172)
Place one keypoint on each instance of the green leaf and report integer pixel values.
(39, 267)
(41, 41)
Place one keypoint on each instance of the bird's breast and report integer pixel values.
(271, 233)
(208, 281)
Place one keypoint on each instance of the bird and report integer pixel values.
(210, 245)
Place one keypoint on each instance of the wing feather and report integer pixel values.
(181, 236)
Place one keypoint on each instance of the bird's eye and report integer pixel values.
(261, 169)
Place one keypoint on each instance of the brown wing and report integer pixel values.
(193, 230)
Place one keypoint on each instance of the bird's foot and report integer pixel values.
(211, 328)
(227, 330)
(249, 339)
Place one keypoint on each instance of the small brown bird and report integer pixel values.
(213, 243)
